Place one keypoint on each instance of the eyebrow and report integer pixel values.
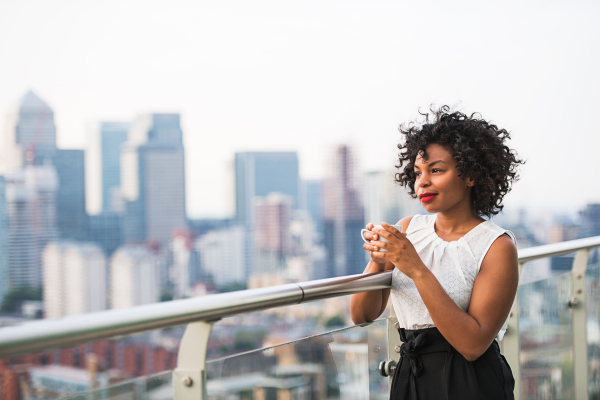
(432, 163)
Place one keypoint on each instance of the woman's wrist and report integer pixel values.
(377, 267)
(420, 274)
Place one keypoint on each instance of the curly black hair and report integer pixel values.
(477, 146)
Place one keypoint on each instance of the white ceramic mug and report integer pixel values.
(381, 238)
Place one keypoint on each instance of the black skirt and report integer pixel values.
(431, 369)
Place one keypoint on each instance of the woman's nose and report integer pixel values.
(423, 182)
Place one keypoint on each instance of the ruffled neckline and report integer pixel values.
(431, 226)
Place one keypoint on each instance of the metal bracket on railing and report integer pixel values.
(572, 302)
(386, 368)
(189, 378)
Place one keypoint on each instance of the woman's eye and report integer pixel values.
(435, 170)
(417, 173)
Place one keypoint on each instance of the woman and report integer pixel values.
(455, 272)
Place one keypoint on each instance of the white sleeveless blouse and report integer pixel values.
(454, 264)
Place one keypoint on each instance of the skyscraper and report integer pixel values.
(103, 163)
(71, 216)
(258, 174)
(343, 215)
(31, 205)
(261, 173)
(3, 240)
(272, 234)
(313, 193)
(590, 220)
(31, 135)
(106, 229)
(153, 179)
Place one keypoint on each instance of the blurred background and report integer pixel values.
(154, 151)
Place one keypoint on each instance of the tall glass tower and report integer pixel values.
(153, 179)
(343, 215)
(31, 136)
(261, 173)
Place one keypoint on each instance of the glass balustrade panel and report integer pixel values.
(592, 278)
(341, 364)
(151, 387)
(131, 367)
(546, 339)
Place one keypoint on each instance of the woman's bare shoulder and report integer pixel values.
(502, 255)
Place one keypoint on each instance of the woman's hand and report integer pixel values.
(400, 251)
(372, 248)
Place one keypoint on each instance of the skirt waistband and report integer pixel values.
(423, 341)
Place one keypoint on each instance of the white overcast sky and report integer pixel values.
(308, 74)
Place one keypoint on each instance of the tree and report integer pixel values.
(336, 320)
(15, 297)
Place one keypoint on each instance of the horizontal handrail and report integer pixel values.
(557, 249)
(71, 331)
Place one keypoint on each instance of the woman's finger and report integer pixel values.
(370, 247)
(370, 236)
(391, 229)
(385, 234)
(378, 254)
(381, 245)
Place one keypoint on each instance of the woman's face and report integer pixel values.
(437, 184)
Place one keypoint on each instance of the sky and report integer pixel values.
(306, 75)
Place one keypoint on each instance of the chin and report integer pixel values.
(430, 208)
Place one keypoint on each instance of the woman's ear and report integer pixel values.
(470, 181)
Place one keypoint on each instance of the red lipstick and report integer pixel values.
(427, 197)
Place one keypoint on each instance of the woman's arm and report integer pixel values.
(493, 293)
(368, 306)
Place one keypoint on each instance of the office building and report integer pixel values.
(103, 167)
(31, 135)
(272, 234)
(31, 206)
(134, 277)
(75, 276)
(590, 220)
(343, 215)
(313, 194)
(223, 255)
(385, 200)
(153, 179)
(4, 276)
(106, 229)
(71, 216)
(183, 264)
(261, 173)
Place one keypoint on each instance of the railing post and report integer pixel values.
(394, 344)
(394, 341)
(189, 378)
(511, 347)
(577, 302)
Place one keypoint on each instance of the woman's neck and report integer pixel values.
(457, 221)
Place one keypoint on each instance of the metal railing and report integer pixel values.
(70, 331)
(189, 378)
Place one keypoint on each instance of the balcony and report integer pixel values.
(162, 351)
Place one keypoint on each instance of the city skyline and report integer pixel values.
(310, 75)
